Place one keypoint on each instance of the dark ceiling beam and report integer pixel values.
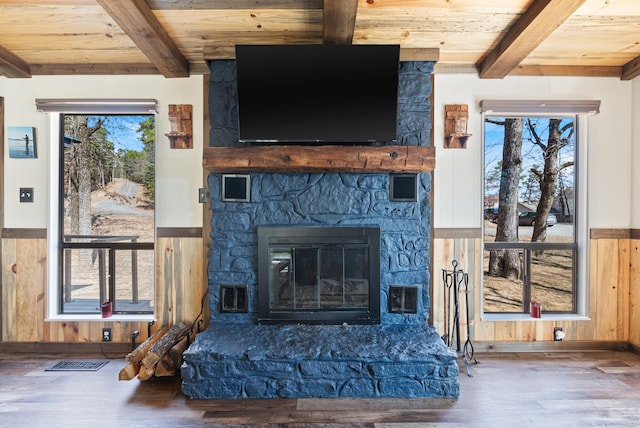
(92, 69)
(534, 26)
(139, 23)
(339, 18)
(106, 69)
(11, 65)
(631, 69)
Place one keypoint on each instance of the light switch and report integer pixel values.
(26, 194)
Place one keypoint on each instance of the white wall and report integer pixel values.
(458, 198)
(614, 198)
(179, 171)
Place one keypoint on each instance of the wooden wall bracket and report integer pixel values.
(180, 121)
(455, 126)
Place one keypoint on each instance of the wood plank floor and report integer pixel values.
(578, 389)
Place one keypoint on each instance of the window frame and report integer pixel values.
(576, 110)
(55, 269)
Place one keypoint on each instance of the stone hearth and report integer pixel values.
(231, 360)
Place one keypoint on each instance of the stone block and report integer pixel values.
(262, 368)
(410, 369)
(260, 387)
(401, 387)
(361, 388)
(333, 369)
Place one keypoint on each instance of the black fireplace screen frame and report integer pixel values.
(318, 236)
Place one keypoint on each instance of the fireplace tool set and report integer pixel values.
(456, 281)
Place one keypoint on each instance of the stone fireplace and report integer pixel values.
(332, 273)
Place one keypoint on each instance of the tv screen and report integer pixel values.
(317, 93)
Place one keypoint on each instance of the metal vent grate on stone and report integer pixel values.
(77, 365)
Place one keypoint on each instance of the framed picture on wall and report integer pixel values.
(22, 142)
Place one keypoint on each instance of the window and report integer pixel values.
(107, 213)
(102, 227)
(531, 242)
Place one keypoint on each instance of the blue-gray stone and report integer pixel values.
(329, 368)
(401, 387)
(411, 369)
(213, 370)
(319, 361)
(260, 387)
(359, 388)
(311, 388)
(262, 367)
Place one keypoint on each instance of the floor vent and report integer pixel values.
(76, 365)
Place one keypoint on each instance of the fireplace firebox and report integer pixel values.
(319, 275)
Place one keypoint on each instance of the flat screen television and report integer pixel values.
(317, 93)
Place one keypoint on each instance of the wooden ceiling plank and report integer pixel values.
(419, 54)
(533, 27)
(223, 44)
(339, 21)
(194, 26)
(11, 65)
(233, 4)
(631, 69)
(566, 70)
(137, 20)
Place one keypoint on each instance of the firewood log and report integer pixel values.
(144, 373)
(134, 358)
(162, 346)
(141, 350)
(129, 371)
(172, 360)
(165, 366)
(177, 350)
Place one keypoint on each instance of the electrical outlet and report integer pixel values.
(558, 334)
(106, 334)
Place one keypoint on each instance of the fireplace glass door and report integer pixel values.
(325, 278)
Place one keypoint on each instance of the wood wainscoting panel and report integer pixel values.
(179, 279)
(23, 285)
(24, 297)
(180, 287)
(634, 290)
(614, 293)
(611, 283)
(464, 246)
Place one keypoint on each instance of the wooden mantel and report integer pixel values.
(308, 158)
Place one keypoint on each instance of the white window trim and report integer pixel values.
(539, 107)
(97, 105)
